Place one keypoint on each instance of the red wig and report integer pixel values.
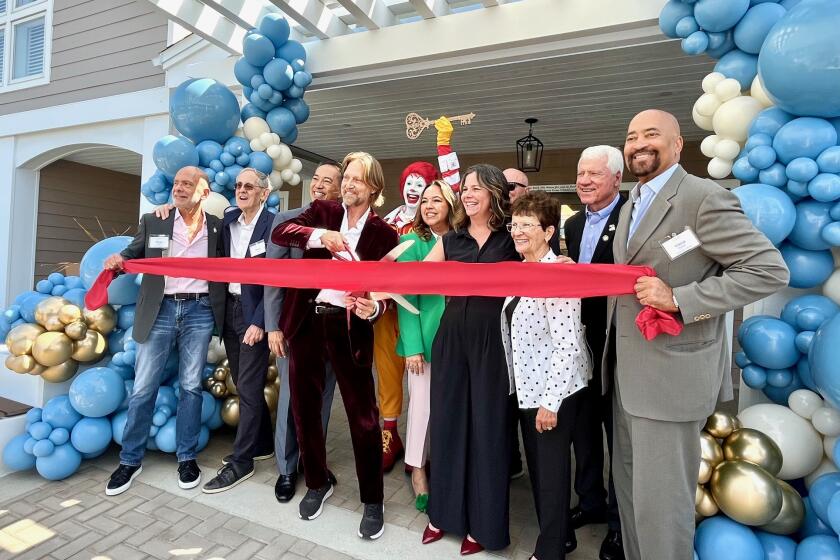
(422, 168)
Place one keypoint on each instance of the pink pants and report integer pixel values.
(417, 432)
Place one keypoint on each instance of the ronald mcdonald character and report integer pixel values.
(389, 366)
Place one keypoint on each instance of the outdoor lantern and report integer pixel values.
(529, 150)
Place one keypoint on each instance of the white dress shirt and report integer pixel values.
(240, 238)
(545, 348)
(352, 235)
(181, 246)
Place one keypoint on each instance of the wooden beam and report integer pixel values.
(313, 16)
(205, 22)
(429, 9)
(245, 13)
(371, 14)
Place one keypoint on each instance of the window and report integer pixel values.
(25, 30)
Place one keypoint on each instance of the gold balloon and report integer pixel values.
(70, 313)
(76, 330)
(47, 312)
(792, 513)
(208, 383)
(736, 424)
(704, 504)
(90, 348)
(61, 372)
(38, 369)
(103, 319)
(20, 364)
(21, 338)
(230, 411)
(230, 385)
(746, 492)
(720, 425)
(271, 396)
(218, 390)
(220, 373)
(52, 348)
(754, 447)
(710, 449)
(706, 469)
(271, 376)
(225, 363)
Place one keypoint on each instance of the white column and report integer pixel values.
(7, 169)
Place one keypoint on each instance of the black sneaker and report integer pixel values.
(226, 479)
(228, 459)
(121, 479)
(373, 522)
(189, 475)
(313, 503)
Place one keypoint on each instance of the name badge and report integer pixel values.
(680, 244)
(257, 248)
(159, 242)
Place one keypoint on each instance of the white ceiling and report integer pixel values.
(115, 159)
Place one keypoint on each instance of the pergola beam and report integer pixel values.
(205, 21)
(245, 13)
(313, 16)
(371, 14)
(429, 9)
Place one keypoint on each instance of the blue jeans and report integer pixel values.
(189, 324)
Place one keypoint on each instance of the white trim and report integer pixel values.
(10, 19)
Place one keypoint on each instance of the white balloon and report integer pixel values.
(255, 126)
(215, 204)
(712, 80)
(733, 118)
(826, 421)
(757, 91)
(287, 174)
(707, 104)
(727, 149)
(825, 467)
(828, 446)
(719, 168)
(296, 165)
(275, 138)
(274, 151)
(799, 442)
(295, 180)
(256, 145)
(708, 145)
(275, 179)
(216, 350)
(266, 139)
(804, 402)
(283, 158)
(727, 89)
(702, 121)
(831, 288)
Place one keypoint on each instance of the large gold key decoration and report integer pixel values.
(415, 124)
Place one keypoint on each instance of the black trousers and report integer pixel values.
(249, 366)
(550, 467)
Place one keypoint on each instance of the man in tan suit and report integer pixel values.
(709, 259)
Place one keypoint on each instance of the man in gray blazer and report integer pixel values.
(325, 185)
(171, 313)
(709, 259)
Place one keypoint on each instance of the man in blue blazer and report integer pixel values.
(246, 233)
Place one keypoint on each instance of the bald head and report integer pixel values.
(653, 144)
(518, 181)
(189, 187)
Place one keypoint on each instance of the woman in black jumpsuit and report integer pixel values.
(469, 435)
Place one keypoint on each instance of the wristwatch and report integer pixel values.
(674, 299)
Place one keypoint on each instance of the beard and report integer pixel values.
(644, 168)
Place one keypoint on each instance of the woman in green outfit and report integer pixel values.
(439, 210)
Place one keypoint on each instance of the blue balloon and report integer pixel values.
(291, 51)
(40, 430)
(161, 198)
(780, 395)
(166, 397)
(834, 511)
(33, 415)
(811, 217)
(28, 305)
(299, 109)
(779, 378)
(123, 290)
(118, 422)
(777, 547)
(294, 92)
(44, 286)
(810, 302)
(91, 435)
(771, 344)
(171, 153)
(258, 49)
(43, 448)
(804, 137)
(56, 278)
(215, 420)
(165, 437)
(273, 199)
(204, 109)
(245, 72)
(208, 150)
(802, 169)
(831, 234)
(686, 26)
(818, 547)
(738, 65)
(125, 316)
(671, 14)
(15, 457)
(825, 187)
(281, 120)
(29, 445)
(808, 269)
(302, 78)
(276, 28)
(222, 178)
(59, 413)
(829, 160)
(291, 137)
(799, 61)
(719, 44)
(811, 524)
(754, 376)
(265, 91)
(261, 162)
(821, 492)
(63, 462)
(275, 99)
(60, 436)
(278, 74)
(256, 82)
(720, 15)
(823, 357)
(59, 290)
(97, 392)
(236, 146)
(741, 359)
(76, 296)
(743, 171)
(226, 160)
(208, 406)
(762, 157)
(769, 121)
(804, 372)
(719, 537)
(769, 209)
(773, 175)
(755, 25)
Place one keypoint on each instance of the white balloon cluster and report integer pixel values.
(825, 419)
(724, 110)
(286, 168)
(216, 350)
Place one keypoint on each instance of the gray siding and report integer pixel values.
(99, 48)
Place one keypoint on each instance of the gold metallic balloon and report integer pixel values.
(218, 390)
(20, 364)
(38, 369)
(271, 397)
(706, 469)
(76, 330)
(90, 348)
(271, 376)
(220, 373)
(47, 313)
(736, 424)
(21, 338)
(272, 358)
(704, 504)
(746, 492)
(720, 425)
(754, 447)
(70, 313)
(208, 383)
(230, 411)
(103, 319)
(61, 372)
(224, 363)
(792, 513)
(710, 449)
(52, 348)
(230, 385)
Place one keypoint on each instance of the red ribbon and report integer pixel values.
(539, 280)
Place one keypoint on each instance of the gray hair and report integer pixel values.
(262, 178)
(615, 159)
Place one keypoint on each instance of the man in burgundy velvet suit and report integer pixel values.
(313, 320)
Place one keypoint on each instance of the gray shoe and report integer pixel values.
(313, 502)
(225, 479)
(373, 522)
(227, 459)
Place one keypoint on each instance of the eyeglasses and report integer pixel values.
(514, 185)
(524, 228)
(247, 187)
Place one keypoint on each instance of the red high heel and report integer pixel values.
(431, 535)
(470, 547)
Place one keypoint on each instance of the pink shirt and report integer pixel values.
(181, 246)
